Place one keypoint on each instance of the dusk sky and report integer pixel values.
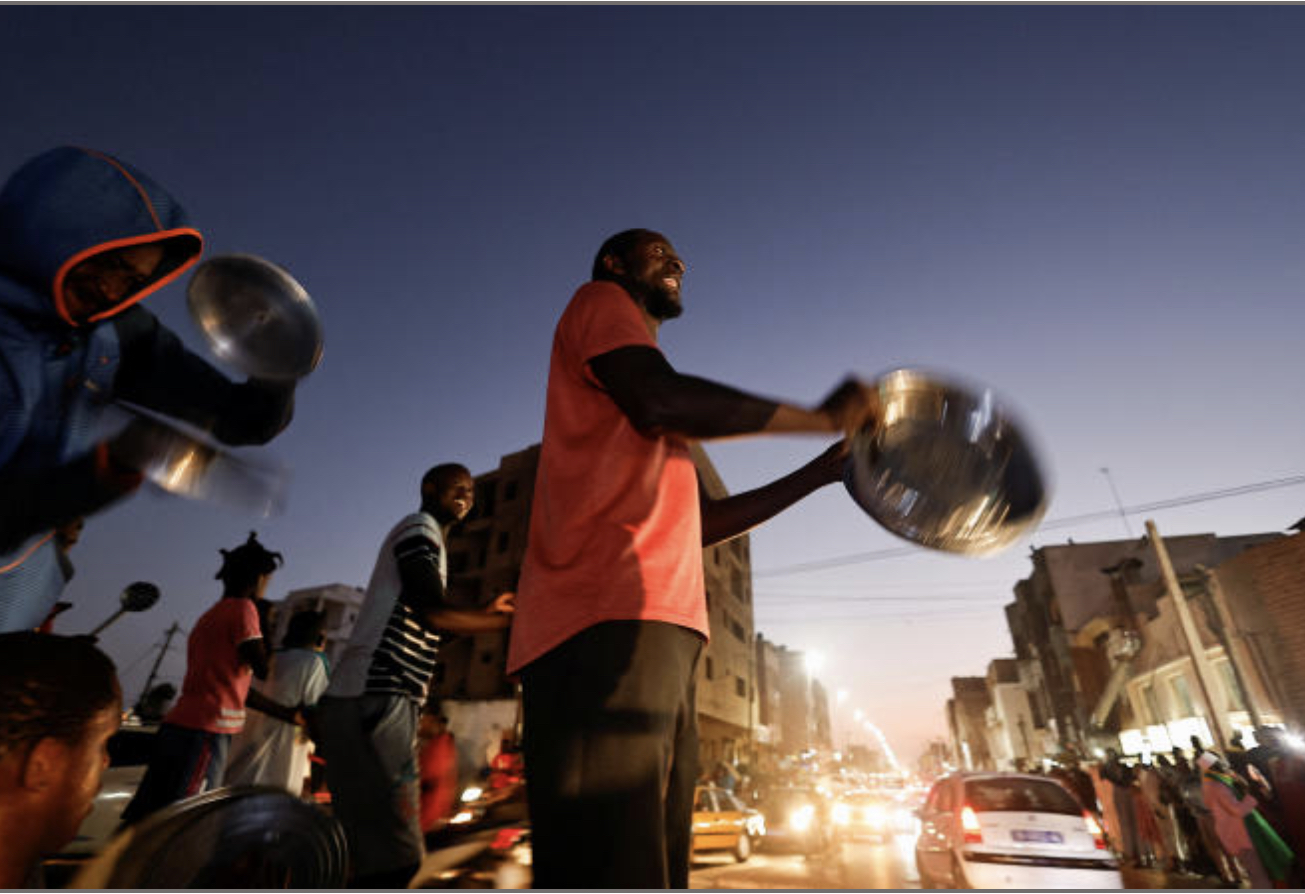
(1097, 210)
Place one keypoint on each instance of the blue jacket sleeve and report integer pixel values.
(157, 371)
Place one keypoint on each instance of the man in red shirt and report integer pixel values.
(224, 652)
(611, 613)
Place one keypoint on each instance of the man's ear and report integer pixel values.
(613, 265)
(44, 765)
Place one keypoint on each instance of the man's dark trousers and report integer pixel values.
(611, 751)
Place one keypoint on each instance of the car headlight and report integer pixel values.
(471, 793)
(801, 819)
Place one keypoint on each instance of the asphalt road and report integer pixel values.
(855, 864)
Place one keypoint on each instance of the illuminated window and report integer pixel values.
(1182, 696)
(1232, 692)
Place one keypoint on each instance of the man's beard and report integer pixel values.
(660, 302)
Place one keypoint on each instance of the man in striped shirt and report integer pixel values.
(367, 722)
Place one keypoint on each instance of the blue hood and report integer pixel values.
(68, 204)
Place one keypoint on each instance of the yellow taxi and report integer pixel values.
(722, 823)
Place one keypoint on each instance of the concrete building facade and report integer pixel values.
(485, 556)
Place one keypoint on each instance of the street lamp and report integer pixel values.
(814, 662)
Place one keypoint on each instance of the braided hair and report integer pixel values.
(51, 686)
(244, 565)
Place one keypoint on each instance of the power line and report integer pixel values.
(1069, 521)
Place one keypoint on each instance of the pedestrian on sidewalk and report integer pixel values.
(1154, 828)
(1243, 832)
(1121, 778)
(438, 760)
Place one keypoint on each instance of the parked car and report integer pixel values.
(798, 819)
(1009, 830)
(722, 823)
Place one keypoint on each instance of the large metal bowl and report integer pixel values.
(185, 461)
(949, 467)
(256, 317)
(226, 839)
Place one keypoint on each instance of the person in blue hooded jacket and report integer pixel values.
(83, 238)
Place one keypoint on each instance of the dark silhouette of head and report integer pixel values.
(244, 567)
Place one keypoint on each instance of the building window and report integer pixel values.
(503, 541)
(1182, 696)
(510, 490)
(1151, 703)
(710, 669)
(485, 499)
(1232, 692)
(737, 629)
(740, 687)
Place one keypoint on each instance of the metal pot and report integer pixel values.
(256, 317)
(948, 467)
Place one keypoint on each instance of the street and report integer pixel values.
(863, 865)
(854, 865)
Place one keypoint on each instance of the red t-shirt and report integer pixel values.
(213, 693)
(615, 530)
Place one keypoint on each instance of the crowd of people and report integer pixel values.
(1239, 816)
(611, 619)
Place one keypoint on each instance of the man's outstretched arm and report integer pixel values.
(658, 400)
(737, 514)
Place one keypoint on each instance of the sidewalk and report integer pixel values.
(1158, 878)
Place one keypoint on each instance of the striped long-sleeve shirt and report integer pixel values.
(391, 651)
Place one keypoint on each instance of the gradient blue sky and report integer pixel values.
(1098, 210)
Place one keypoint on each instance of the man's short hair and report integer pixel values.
(437, 475)
(619, 245)
(304, 629)
(51, 686)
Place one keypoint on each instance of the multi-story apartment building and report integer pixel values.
(1103, 651)
(485, 557)
(339, 603)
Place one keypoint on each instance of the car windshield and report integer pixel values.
(1024, 795)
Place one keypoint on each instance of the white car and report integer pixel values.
(1009, 830)
(129, 757)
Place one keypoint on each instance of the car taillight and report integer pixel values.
(970, 827)
(1094, 829)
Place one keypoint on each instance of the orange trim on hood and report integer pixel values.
(27, 555)
(144, 196)
(148, 239)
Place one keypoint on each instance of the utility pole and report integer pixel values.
(1204, 673)
(1231, 637)
(167, 642)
